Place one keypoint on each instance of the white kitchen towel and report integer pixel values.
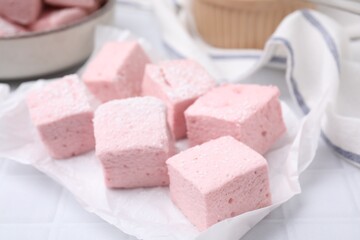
(318, 60)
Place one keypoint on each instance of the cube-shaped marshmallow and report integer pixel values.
(117, 71)
(178, 83)
(21, 11)
(249, 113)
(133, 142)
(62, 112)
(56, 18)
(219, 179)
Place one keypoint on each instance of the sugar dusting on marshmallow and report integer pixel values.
(62, 114)
(178, 83)
(133, 142)
(248, 112)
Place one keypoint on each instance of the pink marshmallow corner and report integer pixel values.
(56, 18)
(250, 113)
(23, 12)
(217, 180)
(178, 83)
(116, 72)
(85, 4)
(62, 113)
(133, 142)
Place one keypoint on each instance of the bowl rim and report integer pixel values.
(99, 12)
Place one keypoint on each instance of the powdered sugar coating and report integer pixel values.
(181, 79)
(117, 70)
(250, 113)
(178, 83)
(132, 136)
(59, 99)
(218, 179)
(62, 113)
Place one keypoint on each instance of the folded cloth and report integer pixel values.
(318, 66)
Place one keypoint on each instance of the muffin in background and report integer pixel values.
(241, 23)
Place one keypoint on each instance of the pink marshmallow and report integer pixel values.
(116, 71)
(249, 113)
(21, 11)
(133, 142)
(62, 113)
(9, 29)
(87, 4)
(219, 179)
(178, 83)
(57, 18)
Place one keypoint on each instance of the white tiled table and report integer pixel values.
(34, 207)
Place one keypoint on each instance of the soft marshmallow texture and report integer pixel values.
(62, 113)
(117, 71)
(87, 4)
(9, 29)
(217, 180)
(56, 18)
(249, 113)
(178, 83)
(21, 11)
(133, 142)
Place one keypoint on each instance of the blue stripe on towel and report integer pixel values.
(326, 35)
(299, 98)
(332, 48)
(278, 59)
(235, 56)
(346, 154)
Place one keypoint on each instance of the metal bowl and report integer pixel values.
(44, 53)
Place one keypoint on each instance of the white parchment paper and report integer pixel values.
(149, 213)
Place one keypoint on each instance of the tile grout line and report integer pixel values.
(53, 235)
(352, 190)
(2, 169)
(312, 170)
(350, 184)
(288, 231)
(311, 220)
(288, 228)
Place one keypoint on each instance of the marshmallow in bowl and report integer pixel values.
(21, 11)
(133, 142)
(248, 112)
(62, 112)
(219, 179)
(56, 18)
(116, 71)
(9, 29)
(178, 83)
(86, 4)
